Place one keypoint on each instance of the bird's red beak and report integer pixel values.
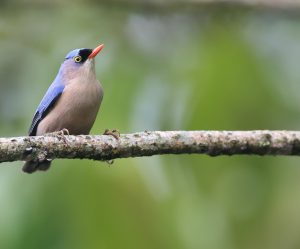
(96, 51)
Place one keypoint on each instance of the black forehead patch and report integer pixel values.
(84, 53)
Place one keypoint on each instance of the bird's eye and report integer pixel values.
(77, 59)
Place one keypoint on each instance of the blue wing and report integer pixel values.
(52, 95)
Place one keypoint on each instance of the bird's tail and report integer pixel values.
(32, 166)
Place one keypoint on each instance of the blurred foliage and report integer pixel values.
(168, 69)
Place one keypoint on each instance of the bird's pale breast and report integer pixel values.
(76, 109)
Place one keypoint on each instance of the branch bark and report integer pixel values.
(103, 147)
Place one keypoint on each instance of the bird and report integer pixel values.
(71, 102)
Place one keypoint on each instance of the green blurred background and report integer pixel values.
(164, 67)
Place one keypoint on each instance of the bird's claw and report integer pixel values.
(64, 132)
(114, 133)
(60, 134)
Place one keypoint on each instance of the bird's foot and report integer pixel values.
(63, 132)
(114, 133)
(59, 134)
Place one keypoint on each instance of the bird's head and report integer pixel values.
(79, 62)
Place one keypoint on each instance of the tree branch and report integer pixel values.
(103, 147)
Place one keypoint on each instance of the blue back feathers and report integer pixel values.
(48, 101)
